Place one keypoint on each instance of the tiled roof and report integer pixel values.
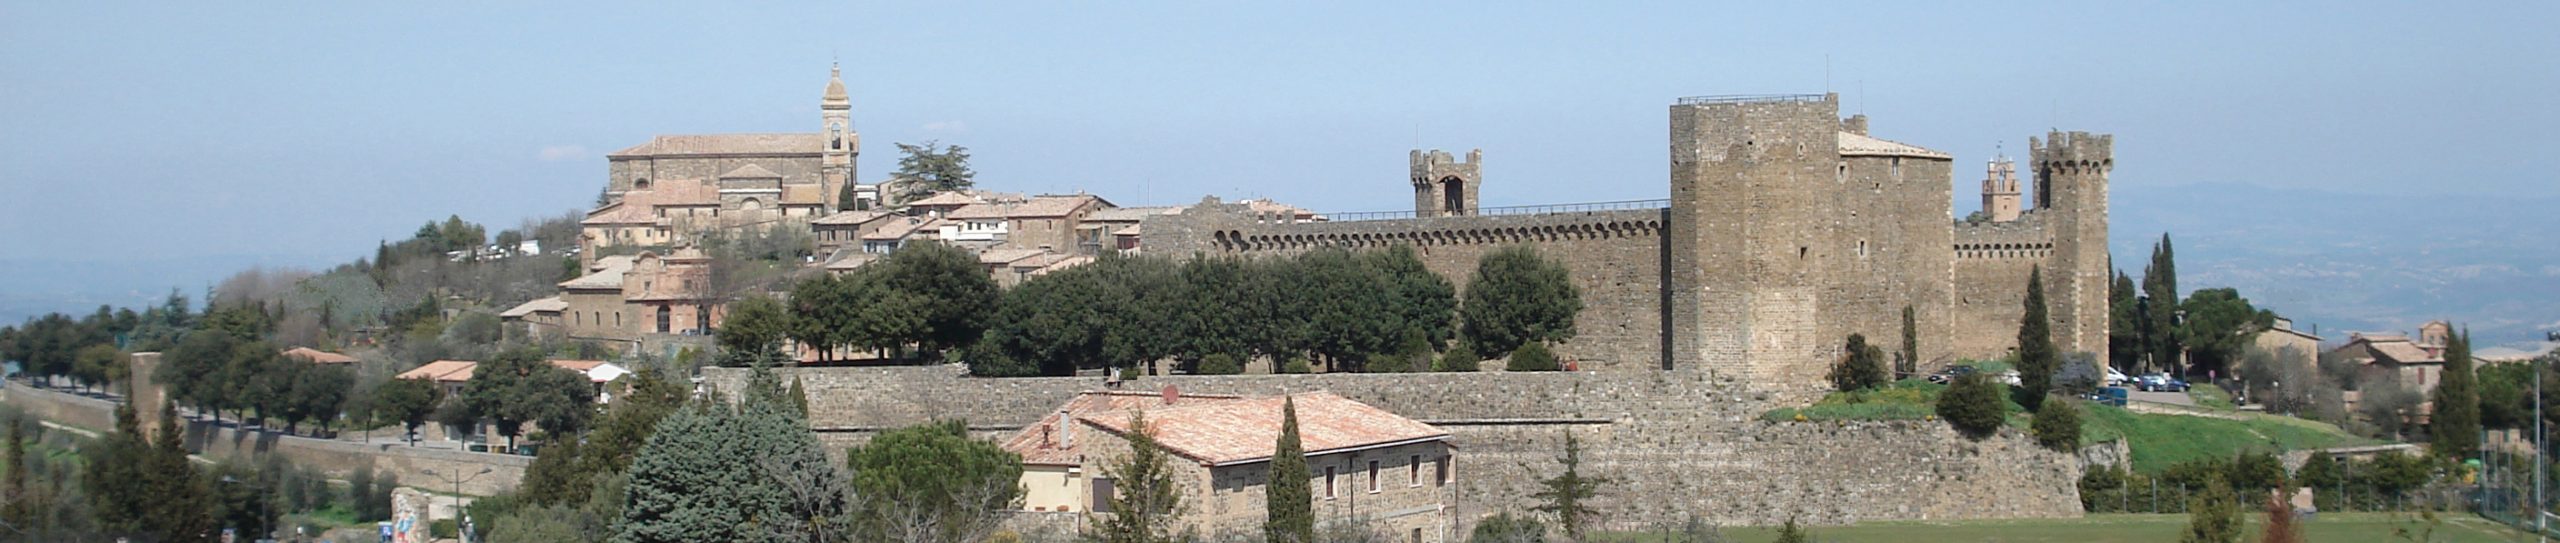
(317, 356)
(1268, 207)
(442, 370)
(1041, 444)
(540, 305)
(750, 171)
(1062, 264)
(981, 211)
(1008, 256)
(623, 212)
(848, 260)
(950, 198)
(608, 274)
(727, 144)
(580, 366)
(1130, 214)
(2404, 352)
(1852, 144)
(1242, 431)
(902, 229)
(850, 218)
(1054, 206)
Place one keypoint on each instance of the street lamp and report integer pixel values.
(462, 522)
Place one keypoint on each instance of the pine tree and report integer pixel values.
(2057, 426)
(2036, 358)
(180, 499)
(1291, 502)
(1791, 533)
(2212, 517)
(2455, 428)
(1568, 494)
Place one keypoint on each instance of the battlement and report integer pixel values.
(2074, 150)
(1431, 165)
(1754, 99)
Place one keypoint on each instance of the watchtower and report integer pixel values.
(2071, 192)
(2000, 190)
(1443, 186)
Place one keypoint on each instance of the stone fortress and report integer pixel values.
(1788, 229)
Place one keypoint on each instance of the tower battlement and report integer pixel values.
(1444, 186)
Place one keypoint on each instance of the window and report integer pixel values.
(1448, 470)
(1413, 472)
(1373, 476)
(1417, 535)
(1328, 482)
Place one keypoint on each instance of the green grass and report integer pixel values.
(2328, 528)
(2212, 397)
(1910, 399)
(2159, 441)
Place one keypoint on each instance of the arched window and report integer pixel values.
(640, 184)
(665, 314)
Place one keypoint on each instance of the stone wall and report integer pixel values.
(1615, 256)
(338, 458)
(1678, 442)
(1991, 267)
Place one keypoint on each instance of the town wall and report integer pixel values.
(1615, 257)
(1992, 261)
(1677, 442)
(338, 458)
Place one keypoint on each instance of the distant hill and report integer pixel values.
(2357, 262)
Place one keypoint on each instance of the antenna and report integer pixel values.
(1826, 73)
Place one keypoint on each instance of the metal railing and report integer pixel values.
(1749, 99)
(1542, 209)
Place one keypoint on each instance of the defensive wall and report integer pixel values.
(1614, 250)
(1674, 442)
(338, 458)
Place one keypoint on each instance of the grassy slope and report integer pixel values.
(2329, 528)
(2159, 441)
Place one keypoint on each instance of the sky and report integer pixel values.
(164, 144)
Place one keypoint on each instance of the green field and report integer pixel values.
(2159, 441)
(2328, 528)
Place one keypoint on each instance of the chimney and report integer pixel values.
(1171, 394)
(1066, 429)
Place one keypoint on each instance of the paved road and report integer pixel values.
(2172, 398)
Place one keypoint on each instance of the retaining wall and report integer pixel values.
(338, 458)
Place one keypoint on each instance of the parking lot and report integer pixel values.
(2172, 398)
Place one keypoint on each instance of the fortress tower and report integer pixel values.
(1444, 187)
(842, 143)
(2071, 188)
(2000, 189)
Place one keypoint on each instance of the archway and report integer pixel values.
(1453, 196)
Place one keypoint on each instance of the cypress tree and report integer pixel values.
(1910, 363)
(1291, 516)
(2036, 358)
(2455, 428)
(17, 512)
(2124, 323)
(2160, 306)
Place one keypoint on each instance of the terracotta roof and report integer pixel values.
(902, 229)
(623, 212)
(540, 305)
(727, 144)
(1852, 144)
(317, 356)
(1063, 263)
(580, 366)
(1268, 207)
(850, 218)
(1055, 206)
(950, 198)
(1243, 431)
(1008, 256)
(981, 211)
(608, 273)
(1130, 214)
(848, 260)
(1041, 444)
(750, 171)
(2405, 353)
(442, 370)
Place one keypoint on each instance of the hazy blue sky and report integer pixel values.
(304, 132)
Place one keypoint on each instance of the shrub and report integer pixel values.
(2212, 517)
(1220, 364)
(2057, 426)
(1505, 528)
(1297, 364)
(1459, 358)
(1973, 406)
(1861, 368)
(1533, 357)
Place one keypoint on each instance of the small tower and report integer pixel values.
(1443, 186)
(835, 167)
(2000, 190)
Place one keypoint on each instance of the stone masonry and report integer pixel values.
(1788, 229)
(1676, 442)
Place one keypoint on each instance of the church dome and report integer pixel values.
(835, 87)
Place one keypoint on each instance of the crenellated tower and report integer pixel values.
(1443, 186)
(2071, 191)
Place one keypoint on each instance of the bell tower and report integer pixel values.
(1443, 186)
(842, 145)
(2000, 190)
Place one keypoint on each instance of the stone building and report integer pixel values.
(1787, 229)
(1365, 465)
(631, 298)
(660, 192)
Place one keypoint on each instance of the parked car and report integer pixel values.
(2010, 377)
(1950, 373)
(2115, 396)
(2161, 382)
(2115, 378)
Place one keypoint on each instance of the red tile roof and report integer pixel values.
(727, 144)
(317, 356)
(1244, 431)
(442, 370)
(1040, 444)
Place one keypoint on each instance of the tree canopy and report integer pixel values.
(930, 167)
(1518, 297)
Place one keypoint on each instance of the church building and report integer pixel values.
(662, 192)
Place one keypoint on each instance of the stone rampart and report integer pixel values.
(338, 458)
(1677, 442)
(1615, 255)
